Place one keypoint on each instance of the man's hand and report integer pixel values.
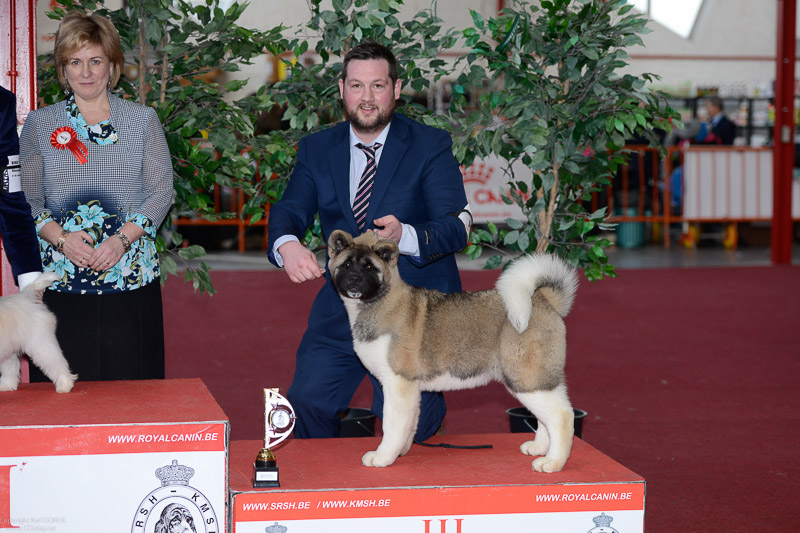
(392, 228)
(299, 262)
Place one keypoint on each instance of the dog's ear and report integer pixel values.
(338, 242)
(387, 250)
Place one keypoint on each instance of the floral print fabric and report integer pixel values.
(101, 133)
(137, 268)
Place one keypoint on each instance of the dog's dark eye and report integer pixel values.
(347, 264)
(368, 266)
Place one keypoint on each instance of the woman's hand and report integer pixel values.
(107, 254)
(79, 248)
(112, 249)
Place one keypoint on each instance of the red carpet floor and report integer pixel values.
(690, 378)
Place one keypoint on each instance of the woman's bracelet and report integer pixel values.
(126, 242)
(61, 240)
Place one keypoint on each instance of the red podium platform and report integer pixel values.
(112, 456)
(324, 487)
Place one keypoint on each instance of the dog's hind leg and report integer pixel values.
(50, 359)
(539, 445)
(9, 373)
(400, 416)
(555, 416)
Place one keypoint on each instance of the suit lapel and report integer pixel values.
(339, 161)
(390, 159)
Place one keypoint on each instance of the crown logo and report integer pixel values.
(478, 173)
(276, 528)
(174, 474)
(603, 520)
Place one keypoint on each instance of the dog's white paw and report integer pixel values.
(8, 386)
(64, 383)
(375, 459)
(548, 465)
(535, 447)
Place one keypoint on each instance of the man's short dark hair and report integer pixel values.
(371, 50)
(716, 101)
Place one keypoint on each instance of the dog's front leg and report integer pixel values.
(401, 399)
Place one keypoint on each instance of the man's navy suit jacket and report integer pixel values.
(725, 130)
(418, 180)
(16, 224)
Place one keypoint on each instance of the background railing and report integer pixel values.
(690, 186)
(695, 185)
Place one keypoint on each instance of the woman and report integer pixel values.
(97, 172)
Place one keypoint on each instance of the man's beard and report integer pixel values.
(381, 119)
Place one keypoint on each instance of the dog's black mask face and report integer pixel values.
(358, 269)
(358, 275)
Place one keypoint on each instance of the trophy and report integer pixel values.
(278, 424)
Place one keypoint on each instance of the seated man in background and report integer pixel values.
(720, 129)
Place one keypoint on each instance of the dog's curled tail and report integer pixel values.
(530, 273)
(44, 280)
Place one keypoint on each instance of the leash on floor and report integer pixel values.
(454, 446)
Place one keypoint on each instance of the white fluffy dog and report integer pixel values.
(28, 326)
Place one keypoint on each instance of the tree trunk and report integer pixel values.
(142, 57)
(164, 71)
(546, 216)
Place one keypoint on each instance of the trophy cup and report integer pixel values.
(278, 424)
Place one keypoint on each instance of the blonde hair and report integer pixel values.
(78, 30)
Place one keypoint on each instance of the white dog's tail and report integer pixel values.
(525, 276)
(44, 280)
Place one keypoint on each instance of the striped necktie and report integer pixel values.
(361, 201)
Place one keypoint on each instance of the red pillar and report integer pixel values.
(783, 152)
(18, 75)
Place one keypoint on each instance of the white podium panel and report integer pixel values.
(113, 456)
(324, 487)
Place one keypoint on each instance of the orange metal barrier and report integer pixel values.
(727, 184)
(229, 200)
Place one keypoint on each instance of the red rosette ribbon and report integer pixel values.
(66, 138)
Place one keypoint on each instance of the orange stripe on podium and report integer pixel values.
(274, 505)
(90, 440)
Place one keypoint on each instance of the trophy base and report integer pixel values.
(266, 476)
(265, 470)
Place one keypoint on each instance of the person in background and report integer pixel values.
(17, 229)
(98, 175)
(417, 199)
(720, 130)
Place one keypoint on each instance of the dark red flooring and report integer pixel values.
(690, 378)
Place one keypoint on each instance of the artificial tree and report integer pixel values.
(552, 97)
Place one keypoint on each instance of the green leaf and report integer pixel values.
(477, 19)
(523, 242)
(514, 223)
(192, 252)
(493, 262)
(590, 53)
(511, 238)
(168, 265)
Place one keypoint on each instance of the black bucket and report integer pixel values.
(357, 422)
(522, 421)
